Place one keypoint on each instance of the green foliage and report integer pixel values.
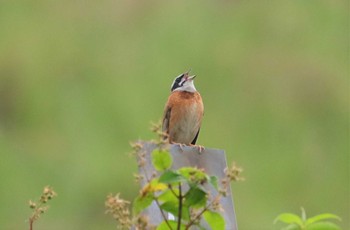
(161, 159)
(214, 181)
(193, 175)
(141, 202)
(170, 225)
(195, 197)
(169, 195)
(303, 223)
(214, 219)
(171, 177)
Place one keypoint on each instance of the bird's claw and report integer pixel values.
(181, 146)
(200, 148)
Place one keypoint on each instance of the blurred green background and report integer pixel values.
(79, 80)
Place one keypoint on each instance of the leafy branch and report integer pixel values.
(182, 193)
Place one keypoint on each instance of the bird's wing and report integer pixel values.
(195, 138)
(166, 120)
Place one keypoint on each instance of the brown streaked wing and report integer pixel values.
(166, 120)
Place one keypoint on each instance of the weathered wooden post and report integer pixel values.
(213, 161)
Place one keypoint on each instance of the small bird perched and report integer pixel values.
(183, 112)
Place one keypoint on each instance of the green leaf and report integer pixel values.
(185, 213)
(289, 218)
(161, 159)
(213, 180)
(169, 196)
(170, 203)
(193, 175)
(214, 219)
(195, 197)
(156, 185)
(141, 202)
(320, 217)
(323, 225)
(170, 177)
(153, 186)
(173, 208)
(173, 225)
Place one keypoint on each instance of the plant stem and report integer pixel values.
(163, 214)
(156, 200)
(31, 224)
(172, 191)
(198, 215)
(180, 208)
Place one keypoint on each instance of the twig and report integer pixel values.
(156, 200)
(172, 191)
(198, 215)
(163, 214)
(31, 221)
(180, 208)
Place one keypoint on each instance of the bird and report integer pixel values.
(183, 112)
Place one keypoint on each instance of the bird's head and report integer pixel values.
(184, 82)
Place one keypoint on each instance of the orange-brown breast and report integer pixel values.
(186, 112)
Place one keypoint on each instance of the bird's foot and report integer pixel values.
(181, 146)
(200, 148)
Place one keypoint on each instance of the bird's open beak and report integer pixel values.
(190, 78)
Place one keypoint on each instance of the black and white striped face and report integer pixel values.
(183, 82)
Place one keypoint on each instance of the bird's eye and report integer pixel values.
(178, 82)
